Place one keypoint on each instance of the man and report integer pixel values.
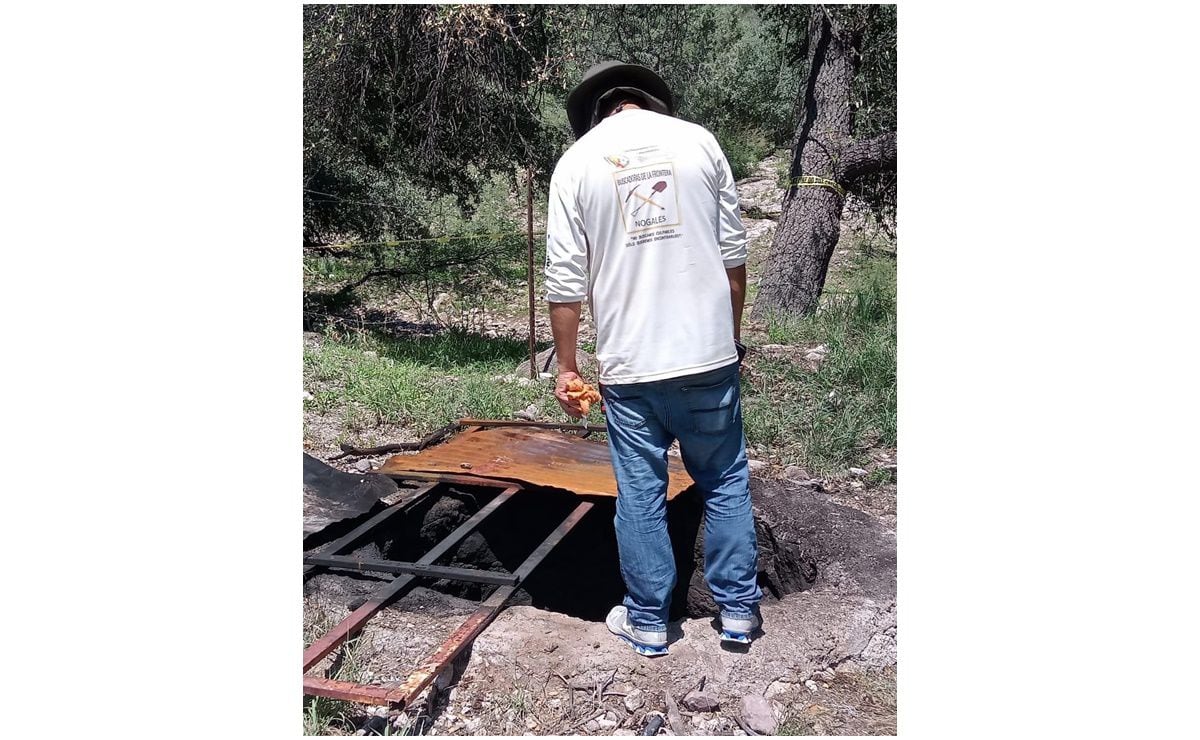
(643, 222)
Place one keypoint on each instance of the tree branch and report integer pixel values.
(866, 156)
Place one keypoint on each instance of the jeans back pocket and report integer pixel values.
(712, 407)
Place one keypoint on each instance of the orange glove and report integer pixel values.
(584, 393)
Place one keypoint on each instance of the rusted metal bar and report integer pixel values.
(470, 629)
(353, 622)
(347, 691)
(533, 370)
(470, 575)
(488, 423)
(359, 533)
(462, 480)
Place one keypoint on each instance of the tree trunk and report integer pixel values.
(826, 159)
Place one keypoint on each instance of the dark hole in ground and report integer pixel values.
(581, 577)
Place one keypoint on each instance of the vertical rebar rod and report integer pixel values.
(533, 369)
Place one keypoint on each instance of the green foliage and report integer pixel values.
(827, 418)
(401, 101)
(747, 83)
(727, 70)
(873, 90)
(467, 253)
(418, 119)
(744, 150)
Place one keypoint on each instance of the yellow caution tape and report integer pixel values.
(813, 181)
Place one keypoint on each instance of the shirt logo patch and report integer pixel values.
(618, 161)
(649, 198)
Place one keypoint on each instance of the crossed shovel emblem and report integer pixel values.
(657, 188)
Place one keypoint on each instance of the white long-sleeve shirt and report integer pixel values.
(643, 221)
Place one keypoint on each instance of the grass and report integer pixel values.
(858, 704)
(823, 420)
(322, 715)
(797, 726)
(826, 419)
(520, 705)
(421, 383)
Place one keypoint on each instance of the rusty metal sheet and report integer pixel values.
(537, 457)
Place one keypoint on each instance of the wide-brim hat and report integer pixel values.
(602, 77)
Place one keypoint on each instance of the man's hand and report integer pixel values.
(572, 406)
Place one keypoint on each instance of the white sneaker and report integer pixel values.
(739, 629)
(646, 643)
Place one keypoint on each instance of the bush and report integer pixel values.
(744, 150)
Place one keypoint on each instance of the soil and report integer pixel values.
(826, 657)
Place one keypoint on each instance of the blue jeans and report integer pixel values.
(704, 412)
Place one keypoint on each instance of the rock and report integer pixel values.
(816, 710)
(547, 362)
(634, 700)
(624, 732)
(674, 718)
(529, 413)
(756, 465)
(604, 723)
(860, 472)
(370, 353)
(374, 726)
(795, 472)
(811, 685)
(592, 726)
(856, 484)
(701, 701)
(443, 679)
(363, 466)
(758, 715)
(777, 687)
(525, 381)
(308, 396)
